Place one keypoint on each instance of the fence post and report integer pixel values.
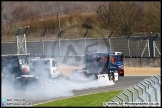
(138, 94)
(147, 84)
(143, 85)
(120, 99)
(132, 94)
(59, 41)
(114, 101)
(17, 39)
(109, 40)
(159, 85)
(140, 88)
(154, 91)
(159, 75)
(43, 41)
(148, 47)
(126, 96)
(148, 88)
(153, 81)
(154, 45)
(25, 39)
(156, 78)
(84, 37)
(147, 93)
(128, 44)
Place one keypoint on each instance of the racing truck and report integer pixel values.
(46, 69)
(45, 66)
(117, 61)
(102, 65)
(15, 70)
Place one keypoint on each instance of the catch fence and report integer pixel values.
(136, 48)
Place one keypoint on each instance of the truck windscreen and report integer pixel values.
(120, 57)
(40, 63)
(96, 58)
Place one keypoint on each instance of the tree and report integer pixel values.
(23, 13)
(120, 16)
(131, 16)
(152, 16)
(19, 13)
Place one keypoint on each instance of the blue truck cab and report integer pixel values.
(117, 62)
(104, 63)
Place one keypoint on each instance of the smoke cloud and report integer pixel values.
(52, 89)
(58, 87)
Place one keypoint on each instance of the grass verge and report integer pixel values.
(96, 99)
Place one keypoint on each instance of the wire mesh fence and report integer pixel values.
(39, 45)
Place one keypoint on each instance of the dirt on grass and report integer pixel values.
(128, 71)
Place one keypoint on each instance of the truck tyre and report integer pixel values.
(112, 77)
(95, 77)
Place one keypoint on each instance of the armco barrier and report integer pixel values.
(147, 93)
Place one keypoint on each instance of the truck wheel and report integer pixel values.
(112, 77)
(95, 77)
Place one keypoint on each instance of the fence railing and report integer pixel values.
(77, 47)
(147, 93)
(136, 45)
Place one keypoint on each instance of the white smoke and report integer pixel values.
(53, 89)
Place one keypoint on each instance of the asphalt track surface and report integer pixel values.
(122, 83)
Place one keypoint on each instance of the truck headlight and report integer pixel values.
(122, 67)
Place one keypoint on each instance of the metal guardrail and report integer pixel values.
(132, 46)
(147, 93)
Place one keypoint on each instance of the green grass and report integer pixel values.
(96, 99)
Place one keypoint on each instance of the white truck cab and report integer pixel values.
(45, 65)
